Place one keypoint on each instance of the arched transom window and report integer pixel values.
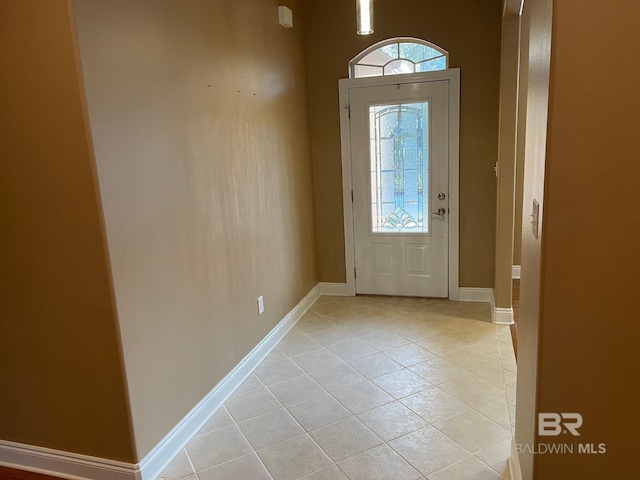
(398, 55)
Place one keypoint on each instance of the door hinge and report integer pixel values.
(354, 273)
(495, 169)
(351, 196)
(348, 107)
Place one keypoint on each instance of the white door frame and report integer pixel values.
(452, 75)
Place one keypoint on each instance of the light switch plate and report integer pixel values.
(535, 218)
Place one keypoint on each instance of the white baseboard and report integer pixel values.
(515, 272)
(514, 462)
(73, 466)
(333, 289)
(501, 316)
(471, 294)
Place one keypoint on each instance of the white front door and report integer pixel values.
(400, 181)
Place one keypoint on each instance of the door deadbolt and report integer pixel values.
(441, 196)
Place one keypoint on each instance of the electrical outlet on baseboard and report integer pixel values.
(260, 305)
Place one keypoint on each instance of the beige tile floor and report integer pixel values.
(369, 388)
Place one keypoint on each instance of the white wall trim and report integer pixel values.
(514, 462)
(502, 316)
(452, 75)
(512, 7)
(515, 272)
(499, 315)
(333, 289)
(347, 204)
(472, 294)
(73, 466)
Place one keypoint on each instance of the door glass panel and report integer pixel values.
(399, 166)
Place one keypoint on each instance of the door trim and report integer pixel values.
(451, 75)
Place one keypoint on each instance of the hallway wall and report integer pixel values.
(508, 140)
(61, 378)
(199, 116)
(578, 329)
(589, 299)
(470, 31)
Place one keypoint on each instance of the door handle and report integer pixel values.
(441, 211)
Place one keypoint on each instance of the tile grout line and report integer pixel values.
(191, 462)
(436, 385)
(305, 431)
(458, 461)
(253, 450)
(352, 415)
(362, 338)
(387, 442)
(407, 368)
(504, 385)
(302, 427)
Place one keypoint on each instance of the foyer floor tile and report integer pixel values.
(392, 420)
(367, 388)
(345, 438)
(362, 396)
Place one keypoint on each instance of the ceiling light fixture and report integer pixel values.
(364, 12)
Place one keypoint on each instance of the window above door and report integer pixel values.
(398, 55)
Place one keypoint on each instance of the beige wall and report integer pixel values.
(60, 371)
(579, 326)
(199, 116)
(511, 8)
(519, 209)
(505, 211)
(519, 219)
(591, 265)
(470, 31)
